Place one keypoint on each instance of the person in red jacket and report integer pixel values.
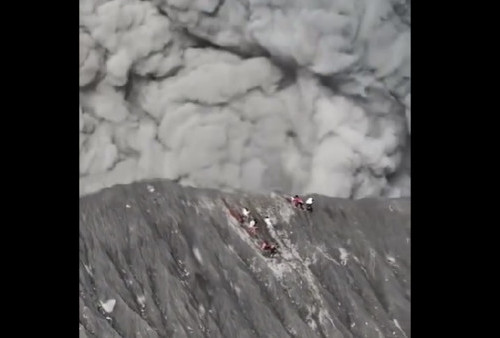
(297, 202)
(267, 247)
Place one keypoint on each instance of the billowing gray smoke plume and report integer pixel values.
(290, 95)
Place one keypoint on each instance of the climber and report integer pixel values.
(268, 222)
(252, 228)
(309, 204)
(246, 213)
(270, 248)
(297, 202)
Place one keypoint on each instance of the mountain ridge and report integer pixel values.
(158, 259)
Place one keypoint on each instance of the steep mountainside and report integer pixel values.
(161, 260)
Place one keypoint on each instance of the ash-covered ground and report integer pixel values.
(161, 260)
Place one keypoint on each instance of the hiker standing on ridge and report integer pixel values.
(309, 204)
(297, 202)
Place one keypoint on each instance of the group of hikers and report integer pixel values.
(299, 203)
(250, 223)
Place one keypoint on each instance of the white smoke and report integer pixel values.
(298, 96)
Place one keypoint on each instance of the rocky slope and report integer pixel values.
(161, 260)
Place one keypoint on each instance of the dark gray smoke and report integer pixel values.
(298, 96)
